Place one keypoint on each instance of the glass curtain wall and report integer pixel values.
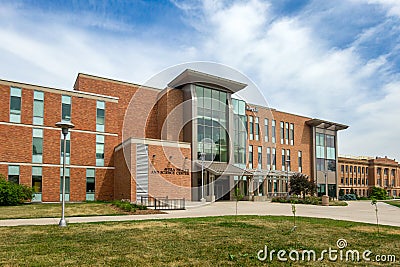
(240, 133)
(212, 125)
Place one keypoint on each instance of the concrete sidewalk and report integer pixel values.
(359, 211)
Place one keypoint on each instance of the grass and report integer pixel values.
(393, 203)
(211, 241)
(53, 210)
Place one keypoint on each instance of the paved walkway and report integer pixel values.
(360, 211)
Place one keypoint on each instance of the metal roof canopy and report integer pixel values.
(189, 76)
(326, 124)
(223, 168)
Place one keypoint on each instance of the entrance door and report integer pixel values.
(222, 190)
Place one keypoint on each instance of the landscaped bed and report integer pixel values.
(211, 241)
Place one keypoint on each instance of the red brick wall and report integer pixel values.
(5, 103)
(123, 186)
(16, 143)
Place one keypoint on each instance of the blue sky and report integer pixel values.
(336, 60)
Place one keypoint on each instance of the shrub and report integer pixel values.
(128, 207)
(12, 194)
(378, 193)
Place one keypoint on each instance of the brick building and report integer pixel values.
(363, 173)
(131, 141)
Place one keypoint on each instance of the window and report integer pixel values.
(99, 150)
(90, 184)
(283, 160)
(67, 183)
(68, 148)
(259, 157)
(250, 157)
(15, 104)
(37, 183)
(291, 136)
(288, 159)
(273, 131)
(273, 159)
(66, 108)
(257, 128)
(287, 133)
(366, 170)
(320, 146)
(379, 171)
(330, 147)
(37, 145)
(38, 107)
(331, 164)
(240, 133)
(320, 164)
(351, 169)
(100, 115)
(363, 170)
(393, 172)
(268, 158)
(347, 168)
(342, 180)
(13, 174)
(385, 171)
(342, 168)
(251, 128)
(359, 169)
(300, 159)
(282, 132)
(266, 130)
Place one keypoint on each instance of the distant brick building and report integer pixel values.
(363, 173)
(131, 141)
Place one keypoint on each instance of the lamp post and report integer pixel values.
(287, 174)
(325, 198)
(65, 126)
(202, 156)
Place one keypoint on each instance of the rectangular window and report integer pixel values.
(273, 159)
(37, 145)
(366, 170)
(266, 130)
(13, 174)
(100, 116)
(66, 108)
(330, 147)
(268, 158)
(300, 155)
(99, 150)
(259, 157)
(342, 168)
(347, 168)
(320, 146)
(287, 133)
(288, 159)
(38, 107)
(273, 126)
(250, 157)
(331, 164)
(37, 183)
(385, 171)
(257, 128)
(320, 164)
(251, 128)
(359, 169)
(68, 148)
(90, 184)
(393, 172)
(283, 159)
(291, 136)
(67, 183)
(15, 104)
(282, 132)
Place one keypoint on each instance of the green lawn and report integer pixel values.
(394, 203)
(211, 241)
(53, 210)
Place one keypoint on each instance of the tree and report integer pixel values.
(238, 196)
(301, 185)
(378, 193)
(12, 194)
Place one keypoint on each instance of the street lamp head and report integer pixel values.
(65, 126)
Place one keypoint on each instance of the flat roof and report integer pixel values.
(190, 76)
(326, 124)
(60, 91)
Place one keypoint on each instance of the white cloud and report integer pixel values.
(301, 73)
